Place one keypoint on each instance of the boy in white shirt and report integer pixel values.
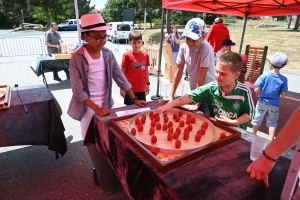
(225, 47)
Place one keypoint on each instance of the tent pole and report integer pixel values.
(77, 20)
(244, 29)
(157, 96)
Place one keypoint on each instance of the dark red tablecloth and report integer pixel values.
(217, 175)
(42, 124)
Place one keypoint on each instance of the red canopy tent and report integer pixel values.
(244, 8)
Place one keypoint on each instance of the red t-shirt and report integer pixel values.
(216, 34)
(136, 72)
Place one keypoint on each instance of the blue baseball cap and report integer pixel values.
(194, 29)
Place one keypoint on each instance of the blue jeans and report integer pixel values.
(174, 56)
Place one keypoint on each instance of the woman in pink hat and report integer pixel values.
(92, 70)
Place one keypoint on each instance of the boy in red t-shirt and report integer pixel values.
(135, 67)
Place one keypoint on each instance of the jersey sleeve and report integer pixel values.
(198, 94)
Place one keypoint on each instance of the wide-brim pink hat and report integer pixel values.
(93, 22)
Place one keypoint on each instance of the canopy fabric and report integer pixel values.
(242, 8)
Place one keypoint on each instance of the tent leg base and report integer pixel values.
(156, 97)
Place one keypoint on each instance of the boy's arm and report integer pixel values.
(176, 80)
(257, 90)
(178, 102)
(201, 76)
(283, 94)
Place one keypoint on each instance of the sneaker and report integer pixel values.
(186, 78)
(57, 79)
(95, 177)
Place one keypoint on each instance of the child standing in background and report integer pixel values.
(135, 67)
(225, 47)
(269, 87)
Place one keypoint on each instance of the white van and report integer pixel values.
(119, 31)
(68, 25)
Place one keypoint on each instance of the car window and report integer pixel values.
(70, 22)
(75, 22)
(123, 27)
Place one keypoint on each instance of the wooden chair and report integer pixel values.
(255, 65)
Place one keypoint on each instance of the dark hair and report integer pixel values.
(82, 34)
(176, 29)
(233, 60)
(53, 24)
(135, 35)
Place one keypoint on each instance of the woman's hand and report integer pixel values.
(102, 111)
(260, 169)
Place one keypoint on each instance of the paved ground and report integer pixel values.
(32, 172)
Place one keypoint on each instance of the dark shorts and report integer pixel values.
(140, 96)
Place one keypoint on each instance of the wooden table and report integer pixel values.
(42, 124)
(220, 174)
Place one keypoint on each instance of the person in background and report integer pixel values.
(225, 47)
(268, 88)
(198, 55)
(174, 40)
(93, 68)
(261, 167)
(52, 41)
(135, 65)
(217, 33)
(229, 101)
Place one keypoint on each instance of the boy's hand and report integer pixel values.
(163, 109)
(147, 89)
(190, 107)
(122, 93)
(223, 119)
(165, 99)
(140, 103)
(102, 111)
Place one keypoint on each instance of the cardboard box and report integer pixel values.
(57, 56)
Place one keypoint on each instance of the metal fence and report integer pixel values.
(25, 46)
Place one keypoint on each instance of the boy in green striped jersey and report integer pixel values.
(229, 101)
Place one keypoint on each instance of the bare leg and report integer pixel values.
(272, 133)
(254, 129)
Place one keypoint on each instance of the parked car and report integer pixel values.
(119, 31)
(29, 26)
(68, 25)
(135, 26)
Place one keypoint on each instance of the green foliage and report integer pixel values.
(228, 19)
(42, 11)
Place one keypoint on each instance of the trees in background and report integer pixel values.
(40, 11)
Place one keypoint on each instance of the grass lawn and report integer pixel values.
(277, 40)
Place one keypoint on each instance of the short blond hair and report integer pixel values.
(231, 59)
